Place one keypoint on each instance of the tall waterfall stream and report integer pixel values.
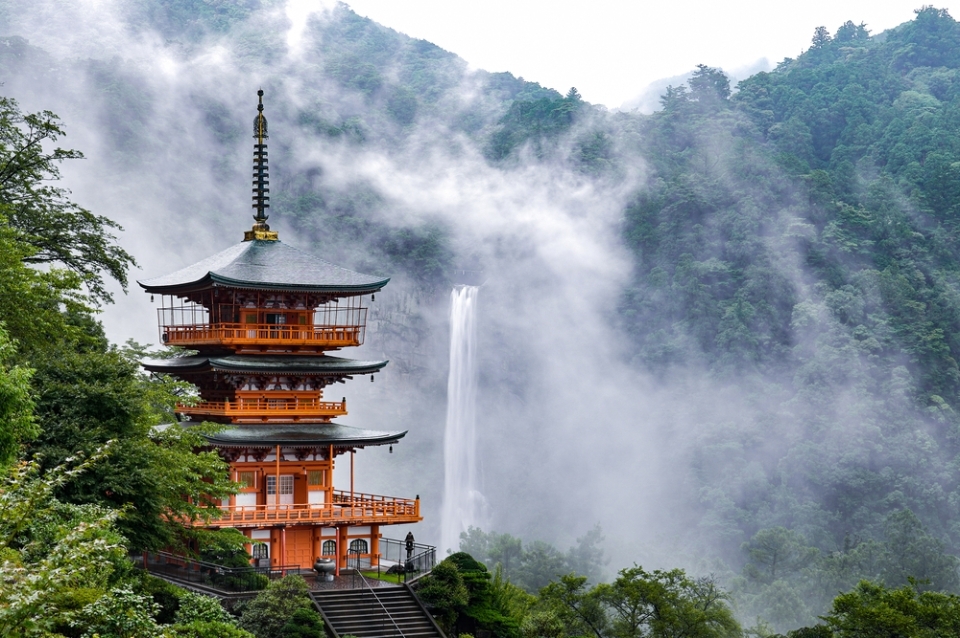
(463, 504)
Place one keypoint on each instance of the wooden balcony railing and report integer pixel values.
(238, 334)
(261, 409)
(362, 509)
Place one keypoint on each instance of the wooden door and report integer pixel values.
(299, 548)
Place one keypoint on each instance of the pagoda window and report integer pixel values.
(247, 479)
(359, 546)
(285, 498)
(315, 478)
(329, 548)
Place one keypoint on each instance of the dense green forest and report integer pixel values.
(792, 262)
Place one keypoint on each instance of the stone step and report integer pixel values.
(392, 613)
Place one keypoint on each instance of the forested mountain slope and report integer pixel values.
(733, 321)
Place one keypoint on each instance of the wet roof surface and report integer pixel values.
(276, 364)
(302, 434)
(268, 265)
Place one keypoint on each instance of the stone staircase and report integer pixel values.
(384, 612)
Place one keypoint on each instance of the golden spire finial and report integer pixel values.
(260, 174)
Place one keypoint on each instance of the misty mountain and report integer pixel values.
(727, 330)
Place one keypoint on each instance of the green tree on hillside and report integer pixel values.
(55, 229)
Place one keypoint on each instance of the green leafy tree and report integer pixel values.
(579, 609)
(154, 474)
(662, 603)
(492, 548)
(207, 629)
(912, 553)
(878, 612)
(304, 623)
(587, 557)
(196, 607)
(267, 615)
(43, 217)
(540, 563)
(775, 553)
(17, 424)
(122, 613)
(484, 611)
(57, 559)
(444, 594)
(709, 86)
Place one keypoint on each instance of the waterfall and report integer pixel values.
(463, 504)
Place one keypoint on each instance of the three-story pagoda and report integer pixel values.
(262, 317)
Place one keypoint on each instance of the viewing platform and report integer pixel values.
(264, 410)
(239, 335)
(355, 509)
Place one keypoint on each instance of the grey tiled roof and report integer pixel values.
(267, 265)
(302, 434)
(276, 364)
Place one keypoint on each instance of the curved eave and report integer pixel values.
(212, 280)
(265, 265)
(339, 436)
(253, 364)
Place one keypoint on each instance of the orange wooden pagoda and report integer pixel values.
(262, 317)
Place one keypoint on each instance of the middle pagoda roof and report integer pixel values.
(266, 265)
(323, 365)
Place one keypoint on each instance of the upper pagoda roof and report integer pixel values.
(323, 365)
(265, 265)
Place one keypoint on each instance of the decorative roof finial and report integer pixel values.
(260, 179)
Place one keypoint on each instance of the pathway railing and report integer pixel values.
(212, 575)
(422, 558)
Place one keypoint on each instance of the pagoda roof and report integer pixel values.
(274, 364)
(265, 265)
(301, 434)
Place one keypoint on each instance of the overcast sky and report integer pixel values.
(611, 49)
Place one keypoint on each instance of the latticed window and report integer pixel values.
(247, 479)
(286, 484)
(329, 548)
(315, 477)
(359, 546)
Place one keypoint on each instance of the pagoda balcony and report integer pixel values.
(245, 335)
(351, 509)
(259, 410)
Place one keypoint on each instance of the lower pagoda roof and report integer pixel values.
(270, 364)
(304, 435)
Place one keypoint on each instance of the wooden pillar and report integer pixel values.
(329, 485)
(374, 545)
(351, 477)
(276, 491)
(343, 545)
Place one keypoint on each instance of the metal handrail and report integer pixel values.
(363, 579)
(199, 571)
(423, 560)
